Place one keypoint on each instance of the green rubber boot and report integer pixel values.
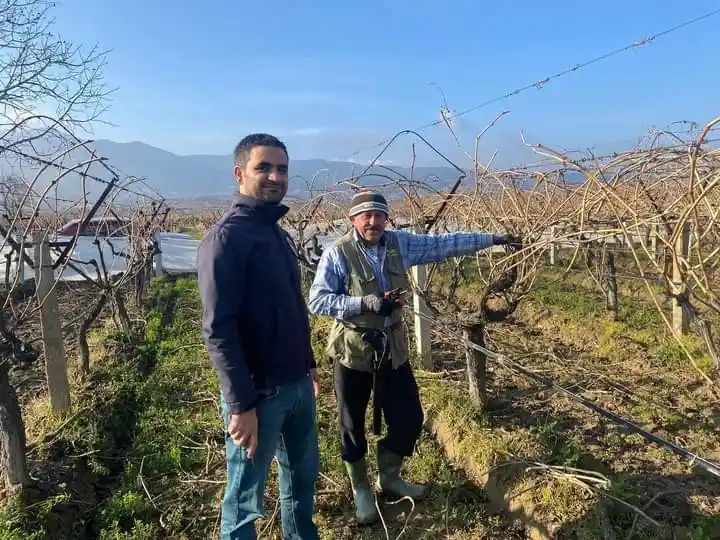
(365, 511)
(389, 481)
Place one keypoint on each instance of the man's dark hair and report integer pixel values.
(243, 148)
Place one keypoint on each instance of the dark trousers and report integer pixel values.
(400, 404)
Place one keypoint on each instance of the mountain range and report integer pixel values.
(207, 179)
(210, 176)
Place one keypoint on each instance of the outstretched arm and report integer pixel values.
(327, 292)
(424, 248)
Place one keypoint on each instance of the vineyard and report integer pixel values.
(574, 377)
(570, 380)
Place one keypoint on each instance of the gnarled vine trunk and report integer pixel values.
(609, 285)
(13, 466)
(475, 364)
(122, 313)
(84, 349)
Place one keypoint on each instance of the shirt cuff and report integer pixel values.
(354, 305)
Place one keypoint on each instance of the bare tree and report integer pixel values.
(12, 430)
(111, 287)
(44, 79)
(49, 88)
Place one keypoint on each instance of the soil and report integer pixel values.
(612, 363)
(619, 367)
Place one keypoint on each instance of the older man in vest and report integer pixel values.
(356, 283)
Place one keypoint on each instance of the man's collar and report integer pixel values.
(269, 211)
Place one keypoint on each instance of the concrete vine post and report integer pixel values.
(53, 347)
(553, 244)
(654, 234)
(158, 254)
(420, 321)
(421, 324)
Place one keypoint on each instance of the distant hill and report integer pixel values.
(209, 178)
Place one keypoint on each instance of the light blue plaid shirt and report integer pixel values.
(327, 293)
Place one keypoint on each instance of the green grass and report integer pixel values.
(497, 458)
(150, 425)
(566, 297)
(29, 522)
(176, 431)
(151, 440)
(477, 445)
(151, 437)
(570, 314)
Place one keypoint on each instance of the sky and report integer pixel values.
(336, 79)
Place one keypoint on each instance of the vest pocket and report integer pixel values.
(358, 353)
(346, 346)
(335, 348)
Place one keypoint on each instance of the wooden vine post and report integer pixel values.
(53, 347)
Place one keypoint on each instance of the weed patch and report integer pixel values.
(138, 434)
(178, 431)
(498, 460)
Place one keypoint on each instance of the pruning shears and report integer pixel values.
(394, 294)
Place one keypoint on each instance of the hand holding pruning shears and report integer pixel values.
(511, 241)
(383, 305)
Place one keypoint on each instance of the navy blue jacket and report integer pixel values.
(255, 320)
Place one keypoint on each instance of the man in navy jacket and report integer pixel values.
(257, 332)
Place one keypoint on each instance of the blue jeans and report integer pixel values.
(288, 431)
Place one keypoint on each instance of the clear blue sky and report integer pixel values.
(336, 77)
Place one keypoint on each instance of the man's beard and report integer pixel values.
(272, 192)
